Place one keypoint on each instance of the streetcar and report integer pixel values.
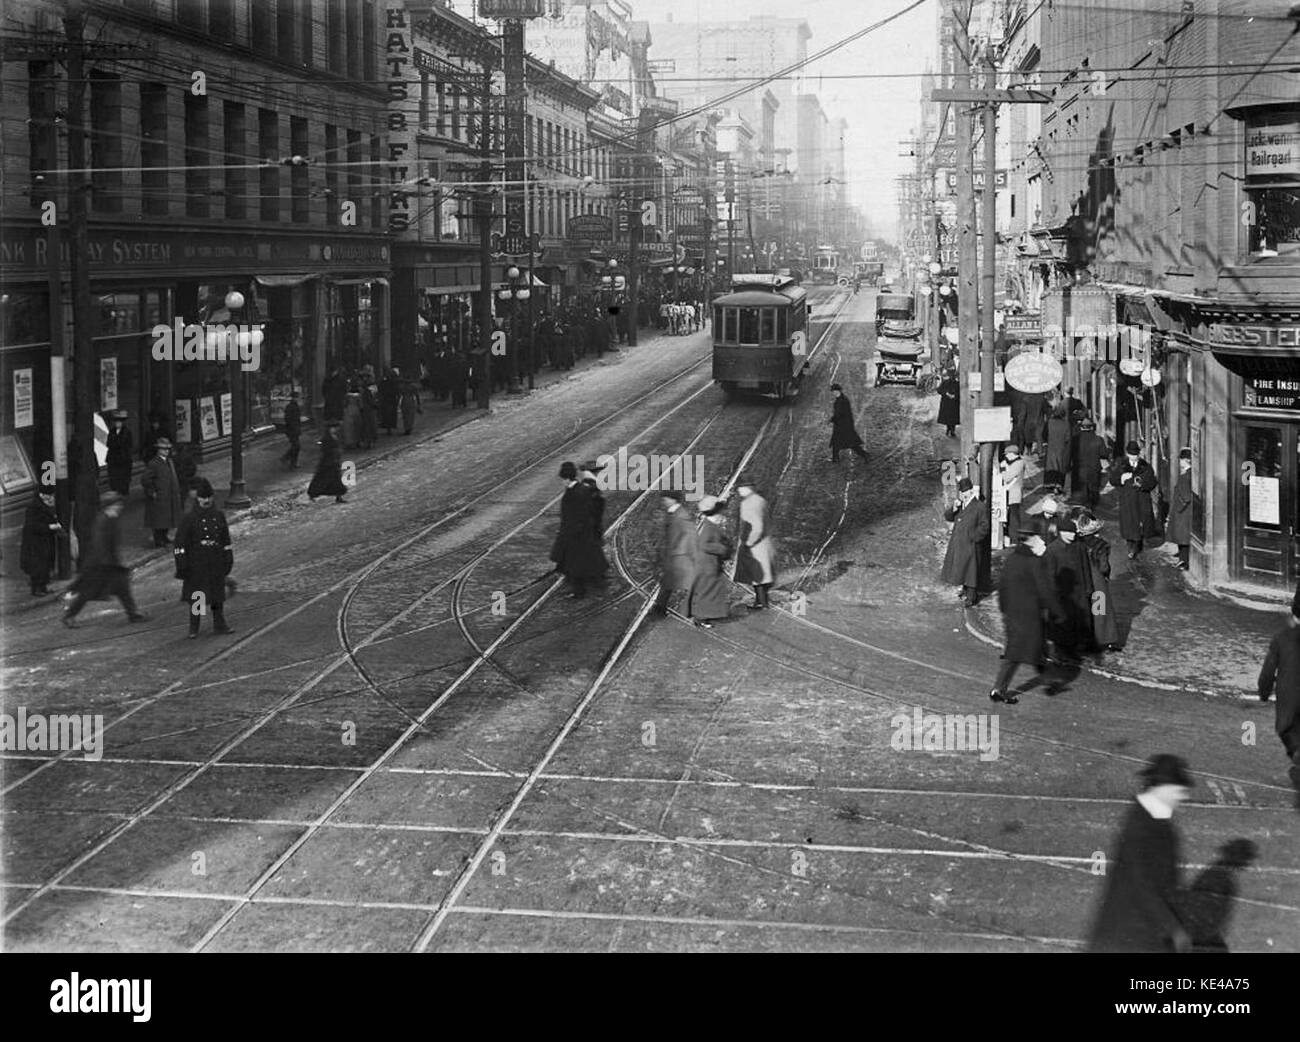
(825, 268)
(760, 338)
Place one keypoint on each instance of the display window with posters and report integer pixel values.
(1272, 165)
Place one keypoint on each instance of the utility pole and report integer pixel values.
(483, 212)
(84, 377)
(990, 216)
(967, 313)
(58, 383)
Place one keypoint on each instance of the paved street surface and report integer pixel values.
(415, 741)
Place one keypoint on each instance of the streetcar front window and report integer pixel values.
(729, 326)
(749, 326)
(769, 326)
(782, 326)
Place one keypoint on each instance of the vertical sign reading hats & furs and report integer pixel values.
(401, 134)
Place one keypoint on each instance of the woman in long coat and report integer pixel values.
(950, 403)
(1105, 627)
(843, 434)
(369, 433)
(755, 552)
(1059, 435)
(1134, 479)
(966, 562)
(410, 404)
(40, 542)
(328, 479)
(576, 552)
(710, 592)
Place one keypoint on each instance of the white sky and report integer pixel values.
(881, 112)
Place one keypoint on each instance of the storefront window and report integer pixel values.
(1264, 455)
(1277, 219)
(1273, 181)
(25, 318)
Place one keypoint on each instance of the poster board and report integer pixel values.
(107, 384)
(997, 508)
(184, 420)
(1265, 501)
(208, 419)
(22, 398)
(227, 403)
(993, 424)
(15, 468)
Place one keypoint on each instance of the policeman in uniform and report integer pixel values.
(203, 560)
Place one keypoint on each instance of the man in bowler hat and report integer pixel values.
(1280, 676)
(966, 563)
(1139, 911)
(1134, 479)
(1025, 597)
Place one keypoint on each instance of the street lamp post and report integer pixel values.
(238, 497)
(516, 292)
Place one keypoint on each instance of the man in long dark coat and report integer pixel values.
(843, 434)
(1066, 561)
(1134, 479)
(328, 479)
(1035, 407)
(163, 493)
(103, 574)
(576, 552)
(1281, 676)
(1025, 596)
(121, 449)
(389, 393)
(966, 564)
(39, 550)
(676, 552)
(204, 558)
(1105, 621)
(1139, 912)
(950, 403)
(334, 394)
(1092, 456)
(1179, 529)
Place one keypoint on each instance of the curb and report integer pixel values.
(1238, 694)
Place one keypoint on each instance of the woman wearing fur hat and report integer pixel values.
(710, 592)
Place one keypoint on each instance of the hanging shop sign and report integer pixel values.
(1033, 372)
(1024, 327)
(1273, 149)
(1079, 311)
(1150, 377)
(503, 9)
(401, 131)
(590, 227)
(993, 424)
(1233, 334)
(1132, 366)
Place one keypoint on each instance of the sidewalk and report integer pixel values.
(268, 480)
(1177, 638)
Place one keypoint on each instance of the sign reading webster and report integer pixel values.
(1273, 149)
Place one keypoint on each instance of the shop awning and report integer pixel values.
(277, 281)
(360, 282)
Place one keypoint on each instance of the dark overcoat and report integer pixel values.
(1058, 445)
(389, 391)
(1025, 594)
(162, 493)
(576, 551)
(328, 479)
(711, 591)
(102, 572)
(677, 552)
(292, 421)
(1105, 624)
(843, 434)
(1280, 677)
(121, 448)
(203, 555)
(1136, 518)
(1071, 574)
(1138, 911)
(967, 561)
(597, 500)
(1035, 410)
(1180, 511)
(1092, 455)
(410, 403)
(949, 403)
(40, 541)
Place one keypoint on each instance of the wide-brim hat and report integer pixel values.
(1166, 769)
(1090, 526)
(1032, 526)
(592, 466)
(116, 414)
(746, 481)
(1066, 525)
(1087, 425)
(710, 505)
(1049, 505)
(568, 471)
(1012, 451)
(163, 443)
